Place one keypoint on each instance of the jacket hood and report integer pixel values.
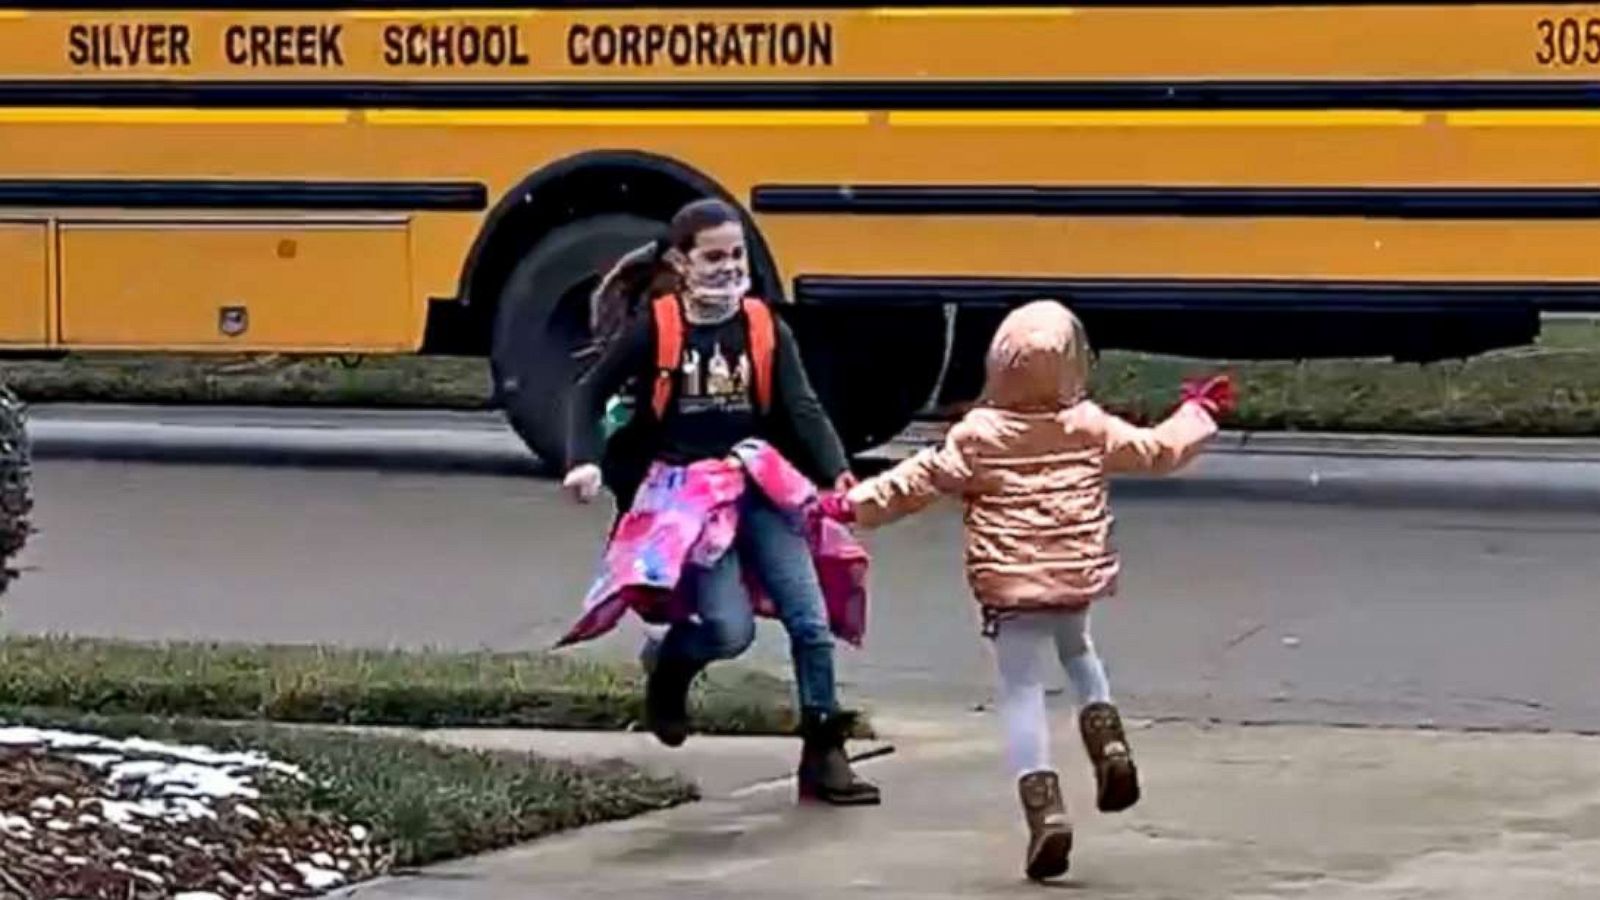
(1038, 361)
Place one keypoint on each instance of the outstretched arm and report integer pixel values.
(1177, 441)
(1165, 448)
(807, 419)
(911, 486)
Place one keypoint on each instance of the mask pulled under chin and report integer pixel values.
(716, 296)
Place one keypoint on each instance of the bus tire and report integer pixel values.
(873, 368)
(542, 320)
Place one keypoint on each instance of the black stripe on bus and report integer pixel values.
(650, 9)
(1318, 202)
(135, 193)
(848, 95)
(1218, 295)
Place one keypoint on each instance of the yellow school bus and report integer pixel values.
(1258, 179)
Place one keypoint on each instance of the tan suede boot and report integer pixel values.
(1049, 829)
(1115, 775)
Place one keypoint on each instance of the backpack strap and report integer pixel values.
(763, 331)
(763, 347)
(669, 350)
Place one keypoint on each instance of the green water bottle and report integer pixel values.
(619, 411)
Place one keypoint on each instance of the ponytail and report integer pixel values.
(644, 274)
(641, 275)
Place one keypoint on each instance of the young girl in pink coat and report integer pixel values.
(1030, 463)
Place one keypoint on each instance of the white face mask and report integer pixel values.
(718, 284)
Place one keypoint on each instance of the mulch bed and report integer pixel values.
(88, 818)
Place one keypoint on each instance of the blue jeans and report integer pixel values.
(726, 624)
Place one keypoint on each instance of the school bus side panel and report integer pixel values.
(498, 149)
(167, 284)
(199, 284)
(24, 283)
(980, 42)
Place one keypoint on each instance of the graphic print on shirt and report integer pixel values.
(715, 377)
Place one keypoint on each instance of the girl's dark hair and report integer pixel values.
(643, 273)
(693, 218)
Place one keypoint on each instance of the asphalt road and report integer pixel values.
(1240, 609)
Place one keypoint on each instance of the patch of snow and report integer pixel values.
(119, 812)
(142, 747)
(19, 736)
(185, 778)
(318, 878)
(143, 768)
(49, 804)
(176, 783)
(170, 783)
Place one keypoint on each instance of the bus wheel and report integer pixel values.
(873, 368)
(543, 319)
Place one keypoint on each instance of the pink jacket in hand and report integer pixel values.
(1030, 463)
(689, 515)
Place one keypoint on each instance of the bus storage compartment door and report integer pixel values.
(280, 286)
(24, 287)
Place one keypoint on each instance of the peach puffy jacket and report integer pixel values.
(1030, 462)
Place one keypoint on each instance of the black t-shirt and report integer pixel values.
(713, 402)
(713, 407)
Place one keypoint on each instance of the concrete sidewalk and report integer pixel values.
(1230, 813)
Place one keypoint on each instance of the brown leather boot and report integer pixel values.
(1049, 829)
(1114, 772)
(825, 774)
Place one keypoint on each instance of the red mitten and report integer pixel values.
(1215, 394)
(836, 506)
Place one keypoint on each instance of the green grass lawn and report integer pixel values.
(423, 803)
(309, 684)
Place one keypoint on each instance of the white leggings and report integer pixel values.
(1019, 643)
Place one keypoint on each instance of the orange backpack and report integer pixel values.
(669, 349)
